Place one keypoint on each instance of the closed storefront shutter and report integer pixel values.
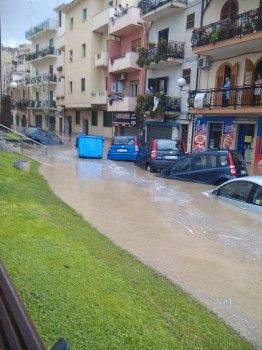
(130, 131)
(159, 132)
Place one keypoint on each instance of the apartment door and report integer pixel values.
(215, 135)
(86, 126)
(245, 144)
(38, 121)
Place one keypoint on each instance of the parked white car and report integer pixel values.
(244, 192)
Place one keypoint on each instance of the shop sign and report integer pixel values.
(200, 135)
(228, 135)
(125, 119)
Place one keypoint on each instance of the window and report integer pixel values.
(84, 15)
(187, 74)
(51, 96)
(163, 34)
(229, 10)
(181, 166)
(94, 118)
(110, 3)
(83, 84)
(107, 119)
(51, 42)
(71, 23)
(77, 117)
(135, 44)
(83, 50)
(190, 21)
(133, 88)
(60, 19)
(158, 85)
(238, 190)
(204, 162)
(70, 56)
(37, 96)
(257, 198)
(70, 87)
(37, 48)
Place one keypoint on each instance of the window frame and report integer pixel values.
(94, 117)
(190, 21)
(77, 118)
(106, 124)
(71, 23)
(84, 14)
(187, 77)
(239, 183)
(83, 84)
(83, 50)
(179, 162)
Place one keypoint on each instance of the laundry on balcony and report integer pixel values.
(199, 100)
(113, 98)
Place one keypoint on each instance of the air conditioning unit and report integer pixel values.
(204, 62)
(117, 87)
(122, 76)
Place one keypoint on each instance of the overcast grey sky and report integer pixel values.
(16, 16)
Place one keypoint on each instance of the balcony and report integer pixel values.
(166, 105)
(231, 36)
(126, 62)
(45, 26)
(127, 104)
(98, 98)
(40, 104)
(49, 52)
(101, 20)
(126, 23)
(241, 99)
(101, 60)
(161, 54)
(155, 9)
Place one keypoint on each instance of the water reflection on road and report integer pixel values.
(211, 249)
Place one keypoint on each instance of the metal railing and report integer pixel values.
(145, 103)
(47, 24)
(41, 53)
(245, 23)
(161, 51)
(239, 96)
(150, 5)
(18, 142)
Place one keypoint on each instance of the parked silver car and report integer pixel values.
(244, 192)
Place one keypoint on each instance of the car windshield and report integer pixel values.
(124, 140)
(169, 145)
(238, 159)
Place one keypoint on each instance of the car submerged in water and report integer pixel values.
(211, 167)
(42, 136)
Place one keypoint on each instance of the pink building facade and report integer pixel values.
(126, 80)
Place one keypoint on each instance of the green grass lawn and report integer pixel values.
(77, 284)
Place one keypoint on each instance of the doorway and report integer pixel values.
(52, 123)
(60, 125)
(86, 126)
(246, 133)
(68, 126)
(38, 121)
(215, 135)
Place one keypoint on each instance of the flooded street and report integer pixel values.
(209, 248)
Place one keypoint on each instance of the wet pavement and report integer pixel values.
(211, 249)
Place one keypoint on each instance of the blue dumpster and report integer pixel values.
(90, 146)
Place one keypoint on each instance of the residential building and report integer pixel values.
(168, 57)
(127, 35)
(86, 52)
(43, 79)
(227, 103)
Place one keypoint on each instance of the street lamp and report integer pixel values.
(181, 83)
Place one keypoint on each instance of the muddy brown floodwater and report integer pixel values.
(209, 248)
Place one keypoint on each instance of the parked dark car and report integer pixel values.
(211, 167)
(45, 137)
(245, 193)
(123, 148)
(159, 153)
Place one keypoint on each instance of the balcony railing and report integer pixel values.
(166, 104)
(41, 53)
(240, 96)
(150, 5)
(41, 104)
(162, 51)
(245, 23)
(45, 25)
